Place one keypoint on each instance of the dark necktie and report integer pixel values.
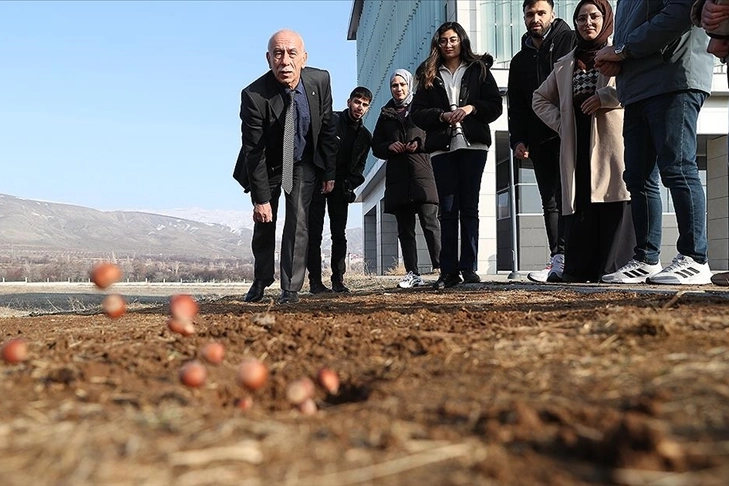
(287, 176)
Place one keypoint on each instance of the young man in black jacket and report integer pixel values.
(354, 141)
(546, 40)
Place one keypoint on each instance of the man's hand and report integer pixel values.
(610, 68)
(712, 15)
(521, 151)
(606, 54)
(327, 187)
(719, 48)
(262, 213)
(411, 146)
(591, 105)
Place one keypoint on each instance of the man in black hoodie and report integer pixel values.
(354, 141)
(546, 40)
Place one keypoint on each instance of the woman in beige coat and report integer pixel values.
(581, 105)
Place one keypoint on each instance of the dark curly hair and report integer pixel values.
(428, 70)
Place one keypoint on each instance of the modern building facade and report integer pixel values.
(396, 34)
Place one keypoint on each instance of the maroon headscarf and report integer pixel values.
(586, 49)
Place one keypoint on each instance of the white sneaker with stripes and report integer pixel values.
(632, 272)
(683, 271)
(411, 280)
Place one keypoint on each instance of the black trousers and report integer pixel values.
(295, 239)
(428, 216)
(600, 240)
(545, 158)
(338, 207)
(458, 179)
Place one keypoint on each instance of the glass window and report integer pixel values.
(528, 201)
(503, 210)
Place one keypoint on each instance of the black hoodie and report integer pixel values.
(527, 71)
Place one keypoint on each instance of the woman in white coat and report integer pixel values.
(581, 105)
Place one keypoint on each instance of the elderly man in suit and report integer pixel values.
(288, 139)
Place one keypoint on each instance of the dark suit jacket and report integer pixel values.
(262, 111)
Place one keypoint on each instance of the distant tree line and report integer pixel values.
(66, 268)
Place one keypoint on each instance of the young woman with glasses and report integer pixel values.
(456, 99)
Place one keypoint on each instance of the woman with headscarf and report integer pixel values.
(582, 106)
(409, 184)
(456, 99)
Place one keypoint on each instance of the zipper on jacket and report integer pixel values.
(540, 73)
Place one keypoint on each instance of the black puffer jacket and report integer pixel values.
(527, 71)
(408, 176)
(430, 103)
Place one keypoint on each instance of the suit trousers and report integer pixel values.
(295, 239)
(338, 206)
(428, 215)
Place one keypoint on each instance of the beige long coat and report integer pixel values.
(553, 103)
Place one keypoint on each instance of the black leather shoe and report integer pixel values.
(469, 276)
(339, 288)
(319, 288)
(720, 279)
(447, 281)
(288, 297)
(255, 293)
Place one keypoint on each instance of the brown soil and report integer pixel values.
(484, 384)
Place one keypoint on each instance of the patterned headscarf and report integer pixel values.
(404, 74)
(586, 49)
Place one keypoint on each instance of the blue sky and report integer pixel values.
(134, 104)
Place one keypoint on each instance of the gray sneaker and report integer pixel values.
(555, 273)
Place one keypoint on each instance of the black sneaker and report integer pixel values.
(319, 288)
(447, 281)
(339, 288)
(469, 276)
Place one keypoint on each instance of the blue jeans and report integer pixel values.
(660, 141)
(458, 179)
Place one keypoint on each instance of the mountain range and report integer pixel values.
(39, 227)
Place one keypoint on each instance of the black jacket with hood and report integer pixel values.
(408, 176)
(527, 71)
(350, 167)
(478, 88)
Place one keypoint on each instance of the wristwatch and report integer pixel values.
(622, 52)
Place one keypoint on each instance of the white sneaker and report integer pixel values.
(554, 266)
(683, 271)
(411, 280)
(555, 273)
(541, 276)
(632, 272)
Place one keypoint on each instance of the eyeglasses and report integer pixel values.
(594, 17)
(451, 40)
